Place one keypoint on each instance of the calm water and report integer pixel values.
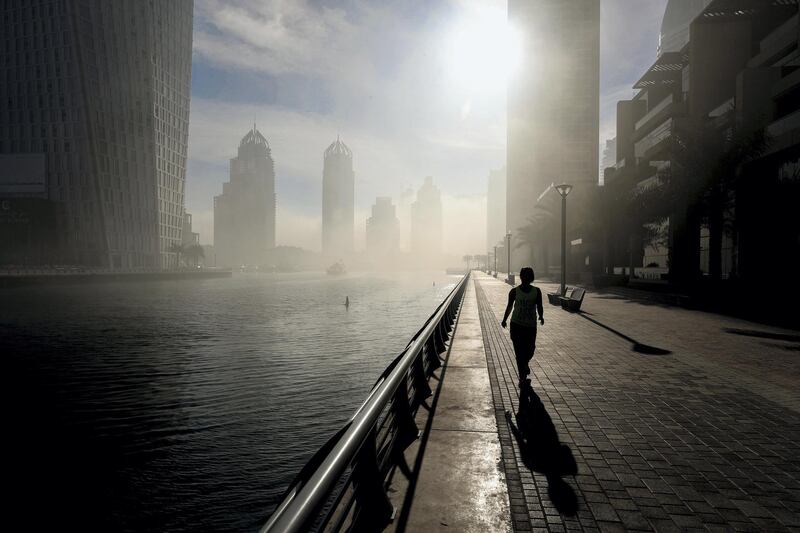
(188, 405)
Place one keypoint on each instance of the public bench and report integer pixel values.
(555, 297)
(573, 299)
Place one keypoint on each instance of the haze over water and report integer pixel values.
(190, 405)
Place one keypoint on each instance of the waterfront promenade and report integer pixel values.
(641, 417)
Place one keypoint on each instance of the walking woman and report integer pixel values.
(526, 300)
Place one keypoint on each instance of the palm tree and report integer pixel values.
(539, 229)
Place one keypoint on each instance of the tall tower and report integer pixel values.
(244, 214)
(496, 208)
(99, 93)
(383, 230)
(338, 200)
(426, 223)
(553, 109)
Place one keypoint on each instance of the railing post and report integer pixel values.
(407, 430)
(374, 508)
(440, 337)
(421, 388)
(447, 321)
(432, 353)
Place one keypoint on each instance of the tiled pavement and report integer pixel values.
(704, 437)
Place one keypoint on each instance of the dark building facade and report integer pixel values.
(244, 214)
(338, 200)
(714, 129)
(100, 89)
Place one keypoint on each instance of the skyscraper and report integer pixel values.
(244, 214)
(553, 108)
(338, 200)
(99, 92)
(426, 223)
(383, 230)
(496, 208)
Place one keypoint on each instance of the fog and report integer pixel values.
(414, 90)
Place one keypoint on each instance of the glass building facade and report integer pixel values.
(101, 89)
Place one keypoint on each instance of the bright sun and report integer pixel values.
(483, 51)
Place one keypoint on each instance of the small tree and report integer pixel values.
(541, 225)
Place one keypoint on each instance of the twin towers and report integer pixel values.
(244, 214)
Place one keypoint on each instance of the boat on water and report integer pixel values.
(336, 269)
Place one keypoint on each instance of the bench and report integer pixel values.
(572, 301)
(555, 297)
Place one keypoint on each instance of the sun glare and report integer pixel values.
(483, 51)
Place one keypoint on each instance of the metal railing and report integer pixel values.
(343, 486)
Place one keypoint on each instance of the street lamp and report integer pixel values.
(508, 265)
(563, 190)
(495, 260)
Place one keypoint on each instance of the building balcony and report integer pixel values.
(666, 102)
(650, 145)
(664, 110)
(785, 132)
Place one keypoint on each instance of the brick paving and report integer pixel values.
(702, 437)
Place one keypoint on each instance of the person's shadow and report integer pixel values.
(542, 451)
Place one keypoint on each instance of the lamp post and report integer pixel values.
(563, 190)
(508, 265)
(495, 260)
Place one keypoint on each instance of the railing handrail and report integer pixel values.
(302, 502)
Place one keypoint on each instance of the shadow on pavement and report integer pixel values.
(636, 346)
(763, 334)
(542, 450)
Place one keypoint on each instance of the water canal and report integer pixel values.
(189, 405)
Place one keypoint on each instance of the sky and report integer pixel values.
(414, 88)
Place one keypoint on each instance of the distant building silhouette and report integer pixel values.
(426, 223)
(404, 202)
(496, 209)
(244, 214)
(609, 157)
(338, 200)
(553, 115)
(383, 230)
(107, 113)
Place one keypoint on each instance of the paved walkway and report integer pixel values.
(647, 417)
(456, 481)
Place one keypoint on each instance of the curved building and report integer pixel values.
(678, 15)
(338, 199)
(94, 111)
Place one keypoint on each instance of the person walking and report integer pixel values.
(526, 301)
